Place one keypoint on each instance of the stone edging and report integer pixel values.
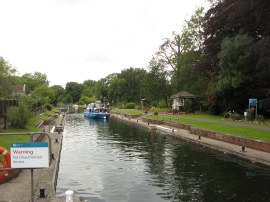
(244, 142)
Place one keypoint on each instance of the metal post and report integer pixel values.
(32, 186)
(256, 111)
(32, 176)
(178, 125)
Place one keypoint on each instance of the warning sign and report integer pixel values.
(29, 155)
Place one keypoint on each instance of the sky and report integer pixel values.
(78, 40)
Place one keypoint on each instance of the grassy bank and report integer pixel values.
(30, 127)
(211, 123)
(219, 126)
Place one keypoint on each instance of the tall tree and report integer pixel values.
(157, 84)
(74, 90)
(227, 19)
(116, 90)
(236, 71)
(183, 51)
(133, 84)
(34, 80)
(43, 94)
(6, 73)
(58, 92)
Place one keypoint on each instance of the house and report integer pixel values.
(178, 99)
(18, 90)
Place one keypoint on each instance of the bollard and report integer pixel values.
(243, 149)
(42, 192)
(199, 137)
(69, 196)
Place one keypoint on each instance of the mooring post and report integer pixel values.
(69, 196)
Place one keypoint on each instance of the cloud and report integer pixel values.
(71, 37)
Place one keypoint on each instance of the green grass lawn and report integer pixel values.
(200, 123)
(6, 140)
(217, 126)
(135, 111)
(128, 111)
(30, 127)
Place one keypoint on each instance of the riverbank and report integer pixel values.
(45, 179)
(254, 156)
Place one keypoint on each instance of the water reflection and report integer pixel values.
(114, 161)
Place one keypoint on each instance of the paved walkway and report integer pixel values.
(251, 155)
(19, 188)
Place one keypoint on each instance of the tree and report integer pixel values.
(133, 84)
(235, 62)
(6, 73)
(156, 84)
(116, 89)
(236, 70)
(90, 89)
(227, 19)
(74, 90)
(19, 115)
(34, 80)
(90, 83)
(43, 94)
(58, 92)
(183, 51)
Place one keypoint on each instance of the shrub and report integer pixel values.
(227, 115)
(130, 105)
(162, 104)
(18, 116)
(260, 118)
(236, 116)
(48, 106)
(188, 105)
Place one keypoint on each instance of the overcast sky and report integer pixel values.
(77, 40)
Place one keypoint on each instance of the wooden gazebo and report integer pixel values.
(178, 99)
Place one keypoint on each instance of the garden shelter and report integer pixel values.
(178, 99)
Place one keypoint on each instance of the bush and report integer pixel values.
(130, 105)
(162, 104)
(18, 116)
(48, 106)
(227, 115)
(236, 116)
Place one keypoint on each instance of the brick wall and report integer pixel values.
(249, 143)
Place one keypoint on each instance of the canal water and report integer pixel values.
(114, 161)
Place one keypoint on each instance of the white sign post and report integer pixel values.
(29, 155)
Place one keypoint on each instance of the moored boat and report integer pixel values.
(97, 111)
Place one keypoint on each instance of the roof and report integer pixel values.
(183, 94)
